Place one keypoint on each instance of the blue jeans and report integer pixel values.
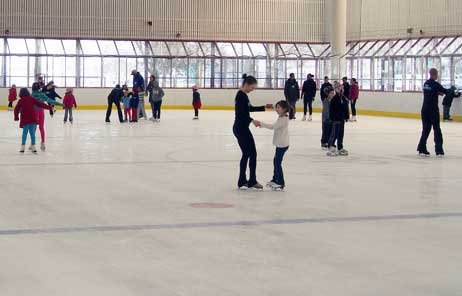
(28, 129)
(278, 177)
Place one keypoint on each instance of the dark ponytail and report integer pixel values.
(250, 80)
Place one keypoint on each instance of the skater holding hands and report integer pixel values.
(243, 134)
(281, 141)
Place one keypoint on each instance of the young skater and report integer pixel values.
(281, 141)
(50, 91)
(156, 96)
(337, 119)
(196, 102)
(126, 102)
(134, 102)
(69, 103)
(12, 96)
(431, 114)
(354, 95)
(40, 113)
(326, 126)
(243, 135)
(26, 108)
(447, 103)
(308, 94)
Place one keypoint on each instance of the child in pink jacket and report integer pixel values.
(69, 103)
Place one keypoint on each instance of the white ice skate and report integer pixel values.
(304, 118)
(42, 147)
(23, 148)
(277, 187)
(353, 119)
(310, 118)
(270, 184)
(343, 152)
(33, 149)
(332, 152)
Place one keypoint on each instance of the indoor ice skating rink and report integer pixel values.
(152, 209)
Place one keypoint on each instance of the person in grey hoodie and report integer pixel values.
(156, 94)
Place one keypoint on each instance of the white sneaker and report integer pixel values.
(343, 152)
(332, 152)
(310, 118)
(23, 148)
(33, 149)
(304, 118)
(42, 147)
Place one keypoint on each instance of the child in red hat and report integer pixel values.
(197, 104)
(69, 103)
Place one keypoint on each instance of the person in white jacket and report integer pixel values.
(281, 141)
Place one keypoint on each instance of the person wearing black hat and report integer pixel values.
(292, 94)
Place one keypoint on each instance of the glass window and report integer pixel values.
(242, 49)
(417, 46)
(90, 47)
(70, 71)
(458, 72)
(125, 48)
(54, 46)
(196, 72)
(445, 71)
(258, 49)
(35, 46)
(229, 77)
(141, 48)
(260, 73)
(193, 49)
(163, 71)
(126, 67)
(208, 48)
(70, 46)
(366, 48)
(17, 46)
(397, 47)
(453, 46)
(318, 49)
(110, 72)
(304, 50)
(176, 48)
(17, 70)
(226, 49)
(91, 72)
(438, 50)
(290, 50)
(159, 48)
(107, 47)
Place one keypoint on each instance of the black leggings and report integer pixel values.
(353, 107)
(308, 105)
(155, 106)
(10, 105)
(249, 154)
(196, 112)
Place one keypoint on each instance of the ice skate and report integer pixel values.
(33, 149)
(325, 146)
(270, 184)
(353, 119)
(332, 152)
(42, 147)
(23, 148)
(256, 186)
(424, 153)
(440, 154)
(310, 118)
(277, 187)
(304, 118)
(343, 152)
(196, 118)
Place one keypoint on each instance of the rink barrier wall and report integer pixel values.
(389, 104)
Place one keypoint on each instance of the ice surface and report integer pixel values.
(379, 222)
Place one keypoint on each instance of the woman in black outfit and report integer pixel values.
(244, 136)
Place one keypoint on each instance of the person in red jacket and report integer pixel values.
(12, 96)
(69, 103)
(26, 107)
(353, 97)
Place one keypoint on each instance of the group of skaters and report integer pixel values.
(31, 106)
(336, 101)
(133, 101)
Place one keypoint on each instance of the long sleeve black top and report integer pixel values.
(243, 109)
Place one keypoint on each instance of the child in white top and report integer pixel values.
(281, 141)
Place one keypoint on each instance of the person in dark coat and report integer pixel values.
(324, 87)
(50, 91)
(292, 94)
(308, 93)
(114, 98)
(447, 103)
(432, 89)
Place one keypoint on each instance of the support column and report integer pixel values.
(337, 19)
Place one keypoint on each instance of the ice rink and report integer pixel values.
(152, 209)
